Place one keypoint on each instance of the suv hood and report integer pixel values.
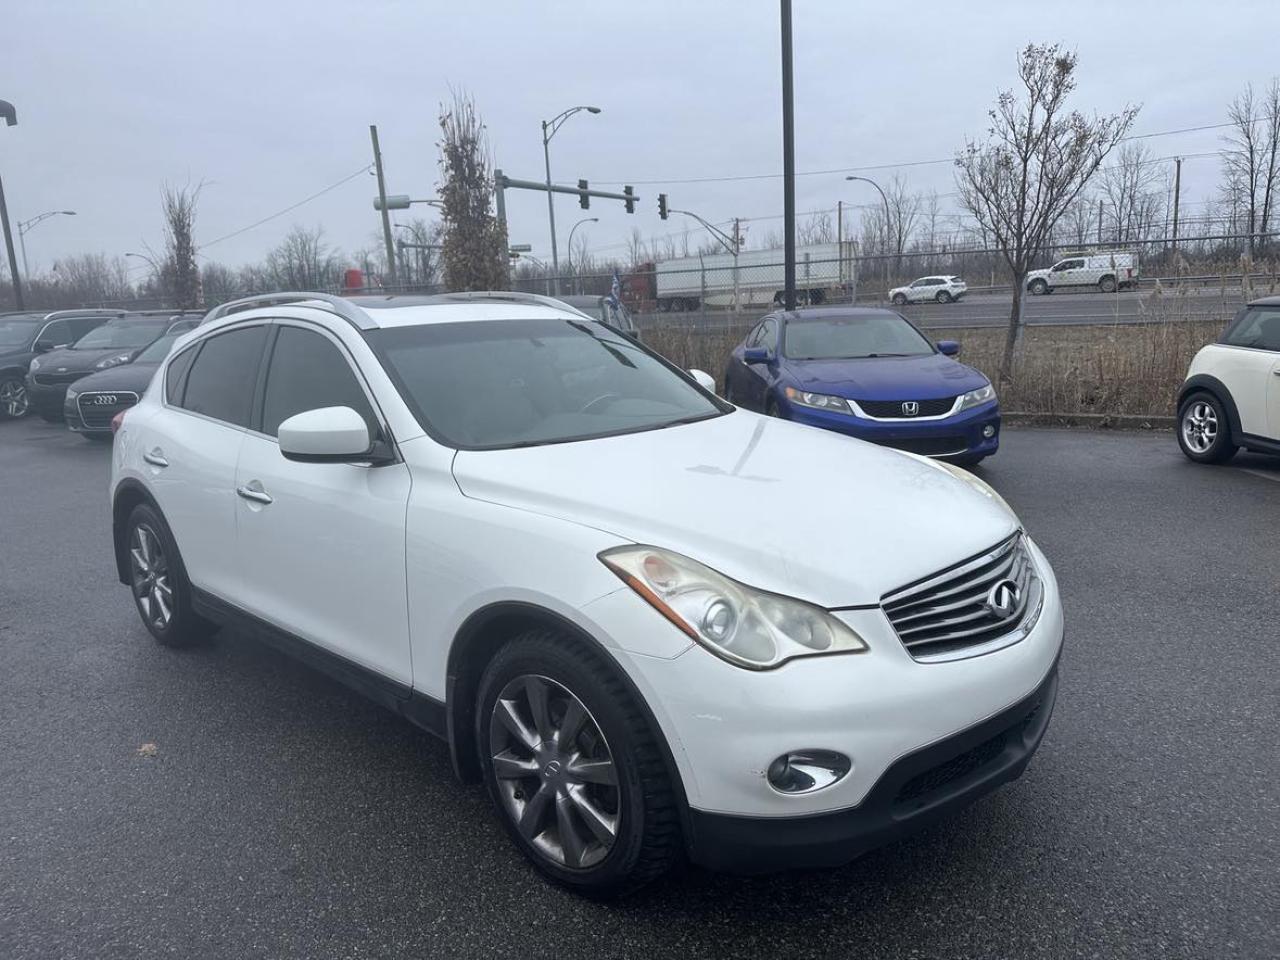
(73, 360)
(777, 505)
(886, 378)
(127, 376)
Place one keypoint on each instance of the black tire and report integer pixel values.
(184, 626)
(1198, 415)
(1107, 284)
(899, 300)
(647, 839)
(13, 397)
(1038, 287)
(943, 297)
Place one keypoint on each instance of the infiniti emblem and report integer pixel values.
(1002, 599)
(910, 408)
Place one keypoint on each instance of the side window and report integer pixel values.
(82, 325)
(753, 338)
(221, 380)
(1257, 327)
(308, 371)
(176, 375)
(769, 336)
(55, 334)
(919, 283)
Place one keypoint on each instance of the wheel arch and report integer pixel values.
(1203, 382)
(128, 495)
(486, 631)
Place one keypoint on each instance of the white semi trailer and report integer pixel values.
(752, 278)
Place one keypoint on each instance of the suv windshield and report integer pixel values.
(123, 335)
(853, 338)
(16, 331)
(508, 383)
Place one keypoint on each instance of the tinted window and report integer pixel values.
(82, 325)
(849, 338)
(56, 334)
(308, 372)
(503, 383)
(17, 332)
(158, 350)
(769, 336)
(176, 375)
(221, 381)
(1257, 327)
(753, 340)
(123, 335)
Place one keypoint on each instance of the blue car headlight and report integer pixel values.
(818, 401)
(975, 398)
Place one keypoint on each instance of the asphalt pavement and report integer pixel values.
(228, 802)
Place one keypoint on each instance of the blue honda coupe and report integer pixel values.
(868, 373)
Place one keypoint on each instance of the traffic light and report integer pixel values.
(662, 205)
(584, 198)
(630, 201)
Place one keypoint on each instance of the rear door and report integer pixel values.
(191, 445)
(322, 545)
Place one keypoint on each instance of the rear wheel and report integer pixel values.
(1107, 284)
(573, 767)
(943, 297)
(159, 583)
(1204, 433)
(13, 399)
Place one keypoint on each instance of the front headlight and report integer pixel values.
(35, 364)
(115, 361)
(71, 396)
(975, 398)
(818, 401)
(746, 626)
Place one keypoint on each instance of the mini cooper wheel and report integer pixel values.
(1203, 430)
(159, 581)
(573, 767)
(13, 399)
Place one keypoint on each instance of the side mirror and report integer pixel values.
(755, 354)
(44, 346)
(705, 380)
(326, 435)
(950, 348)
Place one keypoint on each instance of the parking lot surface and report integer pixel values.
(228, 802)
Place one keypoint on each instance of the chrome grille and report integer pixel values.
(952, 614)
(97, 409)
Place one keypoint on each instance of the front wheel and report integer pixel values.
(899, 299)
(1204, 434)
(573, 767)
(13, 399)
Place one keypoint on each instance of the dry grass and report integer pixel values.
(1125, 369)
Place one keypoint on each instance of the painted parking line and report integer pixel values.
(1262, 473)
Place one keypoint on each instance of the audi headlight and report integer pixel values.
(71, 395)
(975, 398)
(115, 361)
(747, 627)
(35, 364)
(818, 401)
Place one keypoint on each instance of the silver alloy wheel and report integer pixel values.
(13, 398)
(149, 573)
(555, 774)
(1200, 427)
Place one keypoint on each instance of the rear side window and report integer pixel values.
(307, 372)
(1256, 327)
(221, 380)
(56, 334)
(176, 375)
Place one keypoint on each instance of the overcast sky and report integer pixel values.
(270, 101)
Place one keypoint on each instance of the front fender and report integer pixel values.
(1211, 384)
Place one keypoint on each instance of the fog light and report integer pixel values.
(989, 431)
(807, 771)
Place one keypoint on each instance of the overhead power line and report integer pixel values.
(288, 209)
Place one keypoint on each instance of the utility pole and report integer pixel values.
(382, 197)
(840, 238)
(10, 117)
(1099, 221)
(788, 163)
(1177, 189)
(737, 245)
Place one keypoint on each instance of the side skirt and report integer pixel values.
(419, 709)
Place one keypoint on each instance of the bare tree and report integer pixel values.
(474, 250)
(816, 228)
(303, 261)
(1132, 192)
(1251, 161)
(636, 254)
(181, 275)
(1036, 160)
(421, 260)
(92, 278)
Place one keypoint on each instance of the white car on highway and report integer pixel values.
(942, 288)
(1231, 397)
(1105, 272)
(656, 626)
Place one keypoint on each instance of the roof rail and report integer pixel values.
(339, 305)
(86, 312)
(512, 296)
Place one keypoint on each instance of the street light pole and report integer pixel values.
(10, 116)
(549, 128)
(382, 195)
(569, 252)
(887, 217)
(25, 227)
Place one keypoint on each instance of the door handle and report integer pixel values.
(155, 458)
(255, 493)
(1276, 372)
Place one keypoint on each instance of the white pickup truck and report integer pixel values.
(1107, 272)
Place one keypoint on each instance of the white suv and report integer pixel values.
(641, 616)
(943, 289)
(1231, 397)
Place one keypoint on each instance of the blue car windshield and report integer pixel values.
(854, 338)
